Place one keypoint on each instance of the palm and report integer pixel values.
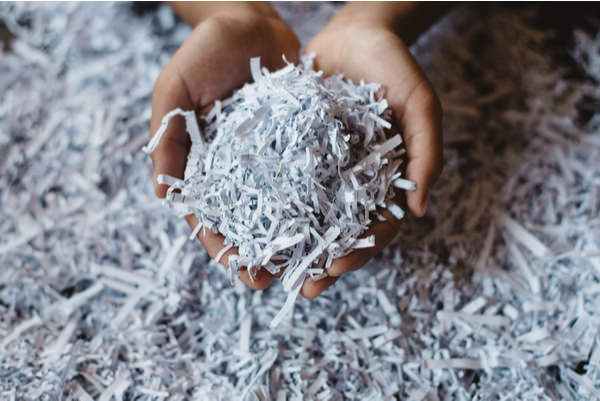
(212, 69)
(365, 55)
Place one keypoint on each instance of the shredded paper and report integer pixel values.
(293, 173)
(494, 295)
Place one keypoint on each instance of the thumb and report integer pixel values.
(170, 155)
(422, 127)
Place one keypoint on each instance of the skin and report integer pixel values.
(229, 35)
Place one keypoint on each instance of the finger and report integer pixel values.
(261, 280)
(312, 289)
(213, 243)
(422, 131)
(384, 232)
(417, 110)
(170, 155)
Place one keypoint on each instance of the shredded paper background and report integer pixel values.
(494, 295)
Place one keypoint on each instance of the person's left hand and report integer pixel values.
(362, 49)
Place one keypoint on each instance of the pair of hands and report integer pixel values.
(214, 61)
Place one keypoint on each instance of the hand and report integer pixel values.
(365, 46)
(210, 65)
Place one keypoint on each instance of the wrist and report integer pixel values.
(366, 15)
(194, 13)
(407, 20)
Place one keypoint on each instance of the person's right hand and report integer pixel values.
(209, 66)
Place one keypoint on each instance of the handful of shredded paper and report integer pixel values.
(294, 170)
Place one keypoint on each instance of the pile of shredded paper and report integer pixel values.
(495, 294)
(293, 174)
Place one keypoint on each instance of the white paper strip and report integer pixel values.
(524, 237)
